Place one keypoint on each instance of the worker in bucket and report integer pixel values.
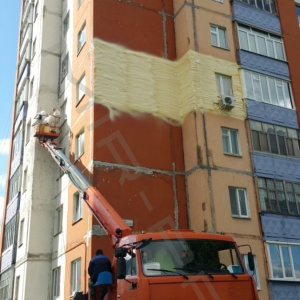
(99, 265)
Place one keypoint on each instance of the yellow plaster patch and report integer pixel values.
(137, 83)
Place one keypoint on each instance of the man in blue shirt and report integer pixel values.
(98, 264)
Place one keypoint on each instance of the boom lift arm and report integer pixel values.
(109, 219)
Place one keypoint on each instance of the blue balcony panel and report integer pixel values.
(280, 228)
(12, 208)
(276, 166)
(258, 18)
(286, 290)
(263, 64)
(8, 258)
(269, 113)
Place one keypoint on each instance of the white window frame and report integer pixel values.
(81, 38)
(260, 87)
(65, 67)
(58, 219)
(283, 267)
(79, 145)
(17, 288)
(75, 276)
(21, 232)
(77, 207)
(216, 31)
(269, 39)
(255, 273)
(81, 88)
(56, 282)
(238, 202)
(228, 136)
(224, 84)
(66, 23)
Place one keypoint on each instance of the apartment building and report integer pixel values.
(181, 113)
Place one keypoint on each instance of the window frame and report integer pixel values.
(64, 67)
(79, 144)
(66, 24)
(282, 266)
(56, 273)
(255, 273)
(272, 197)
(221, 84)
(237, 203)
(21, 233)
(58, 220)
(81, 37)
(217, 31)
(229, 138)
(265, 137)
(272, 6)
(77, 207)
(80, 89)
(266, 89)
(75, 285)
(254, 35)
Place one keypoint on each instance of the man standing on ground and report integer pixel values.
(98, 264)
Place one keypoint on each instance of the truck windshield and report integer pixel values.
(190, 257)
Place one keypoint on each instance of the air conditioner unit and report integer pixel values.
(227, 102)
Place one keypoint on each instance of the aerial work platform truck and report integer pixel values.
(169, 265)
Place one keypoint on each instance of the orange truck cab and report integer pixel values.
(181, 264)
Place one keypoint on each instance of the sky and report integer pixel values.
(9, 32)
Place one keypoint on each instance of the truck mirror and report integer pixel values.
(120, 252)
(251, 261)
(121, 268)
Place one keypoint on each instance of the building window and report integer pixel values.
(230, 138)
(66, 24)
(5, 284)
(55, 283)
(14, 185)
(284, 261)
(79, 146)
(21, 233)
(267, 89)
(64, 67)
(255, 272)
(274, 139)
(9, 233)
(17, 142)
(279, 196)
(77, 207)
(218, 36)
(224, 85)
(31, 88)
(28, 132)
(260, 42)
(17, 288)
(75, 276)
(81, 38)
(267, 5)
(24, 180)
(238, 202)
(81, 86)
(58, 218)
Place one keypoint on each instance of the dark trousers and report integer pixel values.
(92, 291)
